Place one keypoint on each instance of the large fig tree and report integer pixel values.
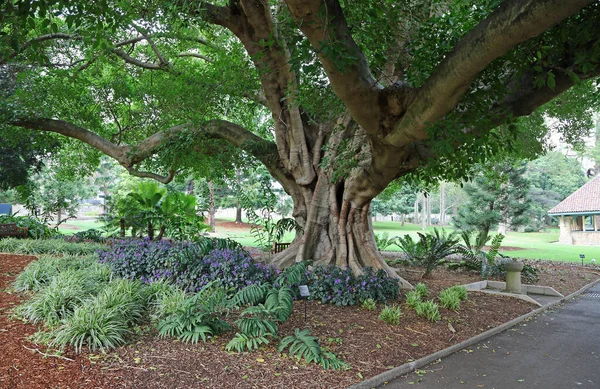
(336, 98)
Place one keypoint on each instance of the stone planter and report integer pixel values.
(513, 276)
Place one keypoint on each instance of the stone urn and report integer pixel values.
(513, 276)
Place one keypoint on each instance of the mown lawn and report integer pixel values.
(534, 245)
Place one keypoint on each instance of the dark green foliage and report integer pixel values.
(302, 345)
(91, 235)
(552, 177)
(242, 342)
(431, 249)
(498, 196)
(35, 228)
(334, 285)
(192, 318)
(188, 265)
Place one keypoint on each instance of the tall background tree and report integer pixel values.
(336, 99)
(497, 197)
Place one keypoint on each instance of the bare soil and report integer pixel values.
(353, 333)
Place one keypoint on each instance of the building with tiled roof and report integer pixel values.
(579, 215)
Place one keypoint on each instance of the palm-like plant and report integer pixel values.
(147, 197)
(430, 250)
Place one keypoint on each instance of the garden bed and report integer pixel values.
(353, 333)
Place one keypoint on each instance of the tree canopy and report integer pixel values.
(336, 99)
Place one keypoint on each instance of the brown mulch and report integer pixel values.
(23, 367)
(355, 334)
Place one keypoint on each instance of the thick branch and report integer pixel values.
(195, 55)
(324, 24)
(154, 176)
(133, 61)
(68, 129)
(514, 22)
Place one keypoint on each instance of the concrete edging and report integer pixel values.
(411, 366)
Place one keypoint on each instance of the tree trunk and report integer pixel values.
(238, 215)
(423, 212)
(211, 205)
(150, 231)
(337, 231)
(122, 227)
(442, 203)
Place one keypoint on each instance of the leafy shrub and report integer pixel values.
(36, 229)
(334, 285)
(91, 235)
(422, 290)
(391, 315)
(185, 264)
(192, 318)
(449, 299)
(431, 249)
(429, 310)
(413, 298)
(369, 304)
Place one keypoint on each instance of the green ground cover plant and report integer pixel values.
(56, 246)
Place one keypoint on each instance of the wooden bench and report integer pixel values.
(11, 229)
(279, 247)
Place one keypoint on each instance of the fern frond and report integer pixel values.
(302, 345)
(254, 326)
(250, 295)
(243, 342)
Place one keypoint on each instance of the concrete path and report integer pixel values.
(558, 349)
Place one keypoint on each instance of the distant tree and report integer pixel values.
(396, 199)
(552, 177)
(49, 194)
(497, 196)
(21, 156)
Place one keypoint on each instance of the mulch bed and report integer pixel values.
(353, 333)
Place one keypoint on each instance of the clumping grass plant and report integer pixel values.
(428, 310)
(422, 290)
(56, 246)
(369, 304)
(391, 314)
(413, 298)
(449, 299)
